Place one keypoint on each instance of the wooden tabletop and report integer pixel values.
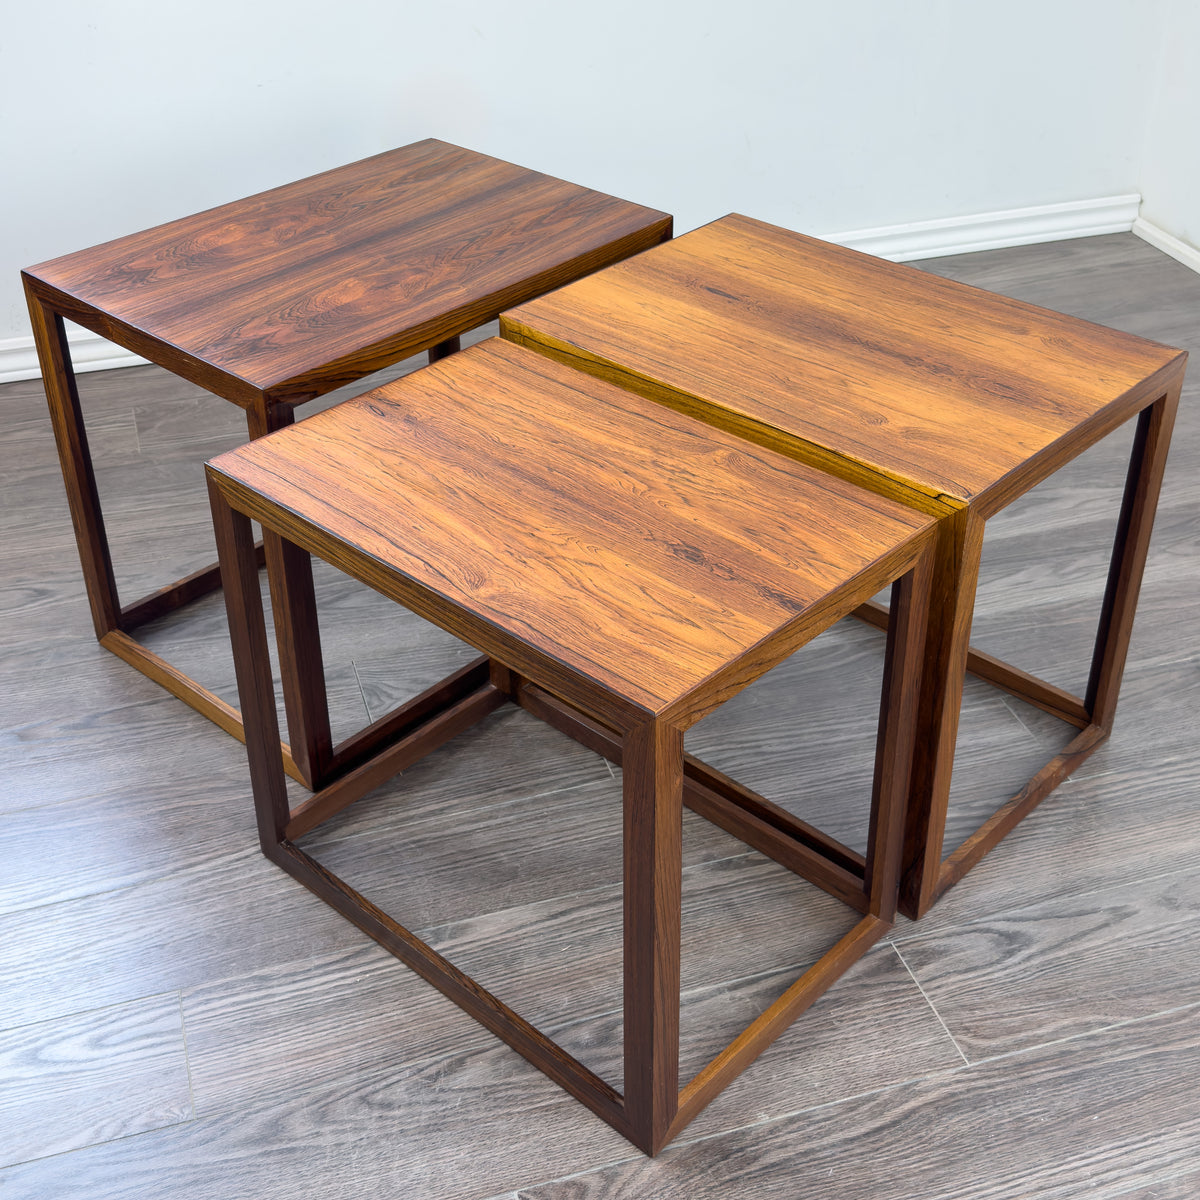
(523, 504)
(926, 389)
(311, 285)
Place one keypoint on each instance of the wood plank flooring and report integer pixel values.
(180, 1019)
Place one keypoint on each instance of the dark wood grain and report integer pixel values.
(297, 290)
(640, 565)
(652, 894)
(951, 389)
(284, 296)
(92, 1077)
(697, 552)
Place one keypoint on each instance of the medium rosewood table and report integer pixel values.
(947, 398)
(279, 298)
(625, 570)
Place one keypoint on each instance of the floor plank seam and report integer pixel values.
(193, 868)
(683, 1141)
(429, 931)
(1006, 913)
(1139, 1185)
(362, 692)
(1088, 1033)
(187, 1061)
(85, 1012)
(1017, 717)
(64, 1154)
(699, 990)
(932, 1006)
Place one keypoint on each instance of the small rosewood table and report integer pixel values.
(626, 570)
(950, 399)
(271, 301)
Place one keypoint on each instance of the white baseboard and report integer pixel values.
(991, 231)
(89, 352)
(1160, 239)
(919, 239)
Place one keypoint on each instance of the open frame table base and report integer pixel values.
(393, 256)
(658, 778)
(952, 400)
(929, 872)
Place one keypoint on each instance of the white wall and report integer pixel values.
(1170, 169)
(118, 114)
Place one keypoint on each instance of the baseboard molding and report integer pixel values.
(1160, 239)
(919, 239)
(992, 231)
(89, 352)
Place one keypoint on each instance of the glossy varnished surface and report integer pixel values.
(644, 550)
(151, 961)
(296, 290)
(870, 367)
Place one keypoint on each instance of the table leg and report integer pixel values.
(952, 606)
(899, 699)
(445, 349)
(1142, 484)
(256, 689)
(652, 764)
(297, 634)
(54, 355)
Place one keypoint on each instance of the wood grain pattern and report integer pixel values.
(294, 291)
(276, 299)
(948, 389)
(697, 551)
(92, 1077)
(633, 553)
(1074, 1120)
(1102, 957)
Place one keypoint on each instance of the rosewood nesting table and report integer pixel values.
(274, 300)
(626, 570)
(949, 399)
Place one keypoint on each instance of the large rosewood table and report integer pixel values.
(947, 398)
(273, 300)
(626, 570)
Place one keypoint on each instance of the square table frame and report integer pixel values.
(310, 756)
(658, 778)
(928, 872)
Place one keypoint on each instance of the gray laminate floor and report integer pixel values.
(180, 1019)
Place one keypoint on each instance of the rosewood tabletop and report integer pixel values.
(295, 291)
(597, 529)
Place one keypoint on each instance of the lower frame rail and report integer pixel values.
(423, 740)
(184, 687)
(178, 594)
(709, 1082)
(1009, 815)
(491, 1012)
(707, 787)
(1055, 700)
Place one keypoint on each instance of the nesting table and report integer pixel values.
(951, 400)
(624, 570)
(274, 300)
